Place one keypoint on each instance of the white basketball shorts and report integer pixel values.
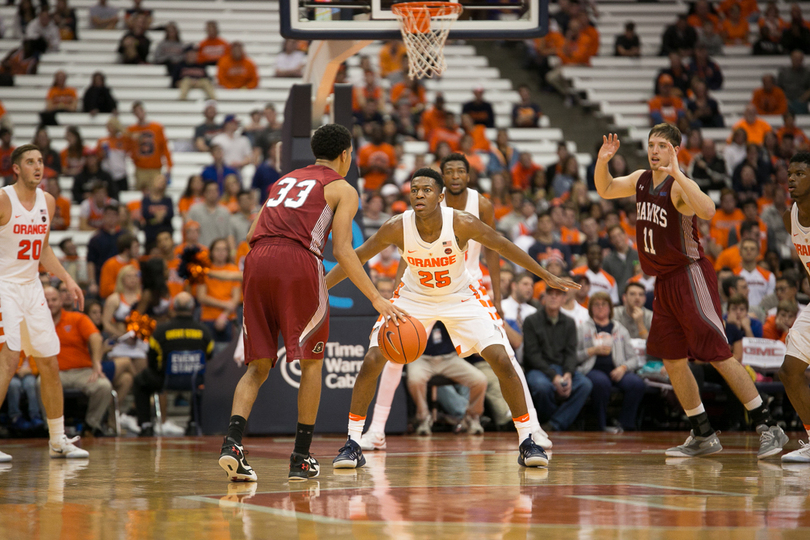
(798, 339)
(27, 321)
(467, 315)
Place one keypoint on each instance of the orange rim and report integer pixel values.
(416, 16)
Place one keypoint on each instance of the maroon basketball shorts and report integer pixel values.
(284, 291)
(687, 320)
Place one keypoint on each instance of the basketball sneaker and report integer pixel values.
(233, 462)
(4, 458)
(67, 450)
(303, 467)
(771, 440)
(541, 437)
(372, 440)
(802, 455)
(472, 425)
(696, 446)
(349, 457)
(531, 455)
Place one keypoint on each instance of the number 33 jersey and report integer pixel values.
(296, 209)
(22, 238)
(667, 240)
(437, 268)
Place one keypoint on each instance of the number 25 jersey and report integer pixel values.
(22, 238)
(667, 240)
(296, 209)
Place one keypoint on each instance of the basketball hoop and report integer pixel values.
(424, 27)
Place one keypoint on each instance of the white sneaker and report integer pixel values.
(424, 426)
(540, 437)
(472, 425)
(129, 423)
(170, 429)
(67, 449)
(802, 455)
(4, 458)
(372, 440)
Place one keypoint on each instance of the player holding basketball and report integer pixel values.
(25, 218)
(797, 222)
(456, 176)
(687, 320)
(285, 291)
(438, 286)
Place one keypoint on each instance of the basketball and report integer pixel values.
(404, 343)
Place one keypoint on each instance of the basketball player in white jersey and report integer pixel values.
(25, 217)
(797, 357)
(438, 286)
(456, 176)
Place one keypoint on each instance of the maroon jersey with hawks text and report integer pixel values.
(296, 209)
(666, 239)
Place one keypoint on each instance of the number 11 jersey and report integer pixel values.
(667, 240)
(21, 239)
(296, 209)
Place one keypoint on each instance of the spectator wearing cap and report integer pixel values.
(190, 73)
(627, 43)
(666, 107)
(678, 38)
(236, 149)
(91, 210)
(479, 109)
(218, 170)
(291, 60)
(213, 217)
(149, 149)
(206, 131)
(213, 47)
(98, 97)
(236, 70)
(769, 99)
(91, 175)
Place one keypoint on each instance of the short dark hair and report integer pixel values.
(523, 275)
(748, 226)
(749, 202)
(667, 131)
(787, 278)
(243, 192)
(124, 242)
(63, 242)
(730, 283)
(329, 141)
(738, 300)
(635, 284)
(17, 154)
(801, 157)
(455, 156)
(112, 207)
(430, 173)
(787, 306)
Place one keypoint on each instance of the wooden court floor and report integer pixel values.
(445, 486)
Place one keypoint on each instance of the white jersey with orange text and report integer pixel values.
(22, 239)
(798, 339)
(473, 256)
(761, 283)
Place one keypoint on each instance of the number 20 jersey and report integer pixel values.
(667, 240)
(296, 209)
(437, 268)
(22, 238)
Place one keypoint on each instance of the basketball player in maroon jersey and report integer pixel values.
(687, 320)
(285, 290)
(797, 357)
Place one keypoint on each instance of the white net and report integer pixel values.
(424, 27)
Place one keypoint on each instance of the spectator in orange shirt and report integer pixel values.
(376, 159)
(60, 98)
(789, 127)
(192, 195)
(730, 257)
(735, 28)
(61, 217)
(220, 298)
(754, 127)
(149, 149)
(749, 10)
(213, 47)
(129, 248)
(368, 92)
(703, 14)
(727, 217)
(433, 117)
(191, 237)
(450, 133)
(411, 91)
(164, 249)
(477, 132)
(523, 172)
(81, 351)
(236, 70)
(777, 326)
(665, 107)
(466, 146)
(385, 264)
(576, 50)
(6, 172)
(391, 55)
(770, 99)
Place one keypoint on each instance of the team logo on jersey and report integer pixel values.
(448, 251)
(318, 348)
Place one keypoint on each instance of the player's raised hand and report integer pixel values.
(389, 311)
(561, 283)
(673, 166)
(610, 145)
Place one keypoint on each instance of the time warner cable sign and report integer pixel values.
(341, 365)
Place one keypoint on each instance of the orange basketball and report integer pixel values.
(404, 343)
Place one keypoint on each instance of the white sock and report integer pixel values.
(380, 417)
(696, 411)
(389, 381)
(356, 424)
(753, 404)
(535, 423)
(56, 429)
(523, 426)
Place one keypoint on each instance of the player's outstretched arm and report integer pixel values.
(607, 186)
(384, 237)
(470, 227)
(686, 194)
(487, 213)
(50, 261)
(348, 260)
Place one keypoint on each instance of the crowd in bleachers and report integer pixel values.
(118, 189)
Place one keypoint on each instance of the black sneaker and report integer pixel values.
(147, 430)
(303, 467)
(531, 454)
(233, 462)
(349, 457)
